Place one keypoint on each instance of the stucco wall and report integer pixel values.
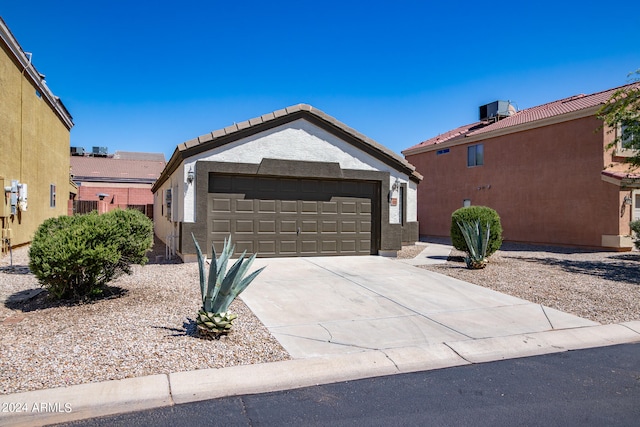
(35, 150)
(545, 183)
(298, 140)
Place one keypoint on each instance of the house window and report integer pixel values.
(475, 155)
(167, 197)
(52, 196)
(627, 136)
(441, 152)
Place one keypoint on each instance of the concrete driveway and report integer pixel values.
(334, 305)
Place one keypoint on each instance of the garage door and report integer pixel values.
(292, 217)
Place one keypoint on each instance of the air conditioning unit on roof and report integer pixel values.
(77, 151)
(100, 151)
(495, 111)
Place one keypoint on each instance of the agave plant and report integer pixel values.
(221, 288)
(477, 240)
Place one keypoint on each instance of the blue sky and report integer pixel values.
(147, 75)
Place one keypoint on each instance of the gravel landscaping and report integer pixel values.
(146, 326)
(600, 286)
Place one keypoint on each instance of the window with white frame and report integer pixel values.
(627, 138)
(627, 135)
(475, 155)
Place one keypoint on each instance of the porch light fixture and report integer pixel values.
(190, 176)
(627, 200)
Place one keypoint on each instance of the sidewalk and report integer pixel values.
(341, 319)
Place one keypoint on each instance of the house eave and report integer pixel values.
(468, 139)
(19, 56)
(269, 121)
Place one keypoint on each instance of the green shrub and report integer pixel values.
(483, 215)
(76, 256)
(635, 228)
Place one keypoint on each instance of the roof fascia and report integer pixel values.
(32, 74)
(574, 115)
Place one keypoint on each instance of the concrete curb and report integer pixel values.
(133, 394)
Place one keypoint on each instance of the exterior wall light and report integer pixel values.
(190, 176)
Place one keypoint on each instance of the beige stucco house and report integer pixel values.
(34, 141)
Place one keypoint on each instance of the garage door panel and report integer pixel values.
(289, 226)
(267, 247)
(289, 206)
(291, 217)
(267, 226)
(221, 226)
(288, 247)
(329, 246)
(245, 245)
(348, 208)
(244, 206)
(330, 207)
(244, 226)
(329, 226)
(266, 206)
(309, 247)
(348, 246)
(309, 207)
(220, 205)
(309, 226)
(347, 226)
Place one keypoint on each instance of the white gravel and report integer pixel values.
(149, 329)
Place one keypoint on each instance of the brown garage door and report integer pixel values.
(292, 217)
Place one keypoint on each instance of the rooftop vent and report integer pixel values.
(496, 110)
(100, 151)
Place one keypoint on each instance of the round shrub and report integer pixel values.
(76, 256)
(472, 214)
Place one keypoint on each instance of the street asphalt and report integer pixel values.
(345, 319)
(593, 387)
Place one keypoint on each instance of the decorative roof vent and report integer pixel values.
(496, 110)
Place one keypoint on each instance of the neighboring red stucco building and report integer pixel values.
(121, 180)
(545, 170)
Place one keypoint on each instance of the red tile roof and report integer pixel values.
(545, 111)
(109, 169)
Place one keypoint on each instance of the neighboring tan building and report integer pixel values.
(295, 182)
(545, 170)
(34, 141)
(121, 180)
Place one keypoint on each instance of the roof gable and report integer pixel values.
(248, 128)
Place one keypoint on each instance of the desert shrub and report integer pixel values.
(76, 256)
(472, 214)
(635, 228)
